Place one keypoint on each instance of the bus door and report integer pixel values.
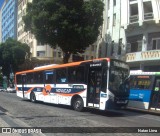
(24, 79)
(155, 99)
(94, 83)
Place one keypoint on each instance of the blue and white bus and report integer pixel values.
(144, 90)
(100, 83)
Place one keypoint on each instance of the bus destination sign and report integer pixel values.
(119, 64)
(96, 65)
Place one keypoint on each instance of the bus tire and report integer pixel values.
(78, 104)
(33, 97)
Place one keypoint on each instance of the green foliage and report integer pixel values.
(12, 54)
(73, 25)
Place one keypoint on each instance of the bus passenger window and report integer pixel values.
(19, 79)
(49, 75)
(30, 78)
(71, 75)
(61, 76)
(80, 75)
(76, 74)
(38, 77)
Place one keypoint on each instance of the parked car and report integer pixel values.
(11, 89)
(2, 89)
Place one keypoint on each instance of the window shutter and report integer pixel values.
(139, 45)
(158, 43)
(128, 48)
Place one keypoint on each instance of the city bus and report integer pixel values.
(99, 83)
(144, 90)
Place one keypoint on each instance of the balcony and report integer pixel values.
(148, 16)
(133, 19)
(143, 56)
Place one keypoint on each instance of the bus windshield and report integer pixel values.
(118, 81)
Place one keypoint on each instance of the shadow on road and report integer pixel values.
(113, 113)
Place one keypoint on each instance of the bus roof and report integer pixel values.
(60, 65)
(45, 66)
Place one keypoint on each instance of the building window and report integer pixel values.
(132, 0)
(114, 19)
(133, 13)
(92, 57)
(156, 44)
(120, 46)
(38, 43)
(54, 54)
(108, 4)
(108, 21)
(134, 46)
(59, 54)
(148, 12)
(135, 43)
(87, 57)
(92, 47)
(112, 48)
(114, 2)
(40, 53)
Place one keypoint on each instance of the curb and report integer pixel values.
(7, 121)
(153, 112)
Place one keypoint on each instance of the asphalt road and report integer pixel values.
(49, 115)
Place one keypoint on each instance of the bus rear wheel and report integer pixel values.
(78, 104)
(33, 97)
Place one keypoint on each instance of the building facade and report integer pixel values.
(38, 50)
(131, 32)
(9, 20)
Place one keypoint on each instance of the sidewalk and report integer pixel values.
(154, 112)
(8, 126)
(4, 124)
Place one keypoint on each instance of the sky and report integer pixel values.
(1, 2)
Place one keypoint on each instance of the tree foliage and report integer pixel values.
(12, 54)
(73, 25)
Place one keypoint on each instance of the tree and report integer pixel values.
(73, 25)
(12, 54)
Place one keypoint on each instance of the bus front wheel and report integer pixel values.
(33, 97)
(78, 104)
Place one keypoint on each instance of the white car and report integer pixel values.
(2, 89)
(11, 89)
